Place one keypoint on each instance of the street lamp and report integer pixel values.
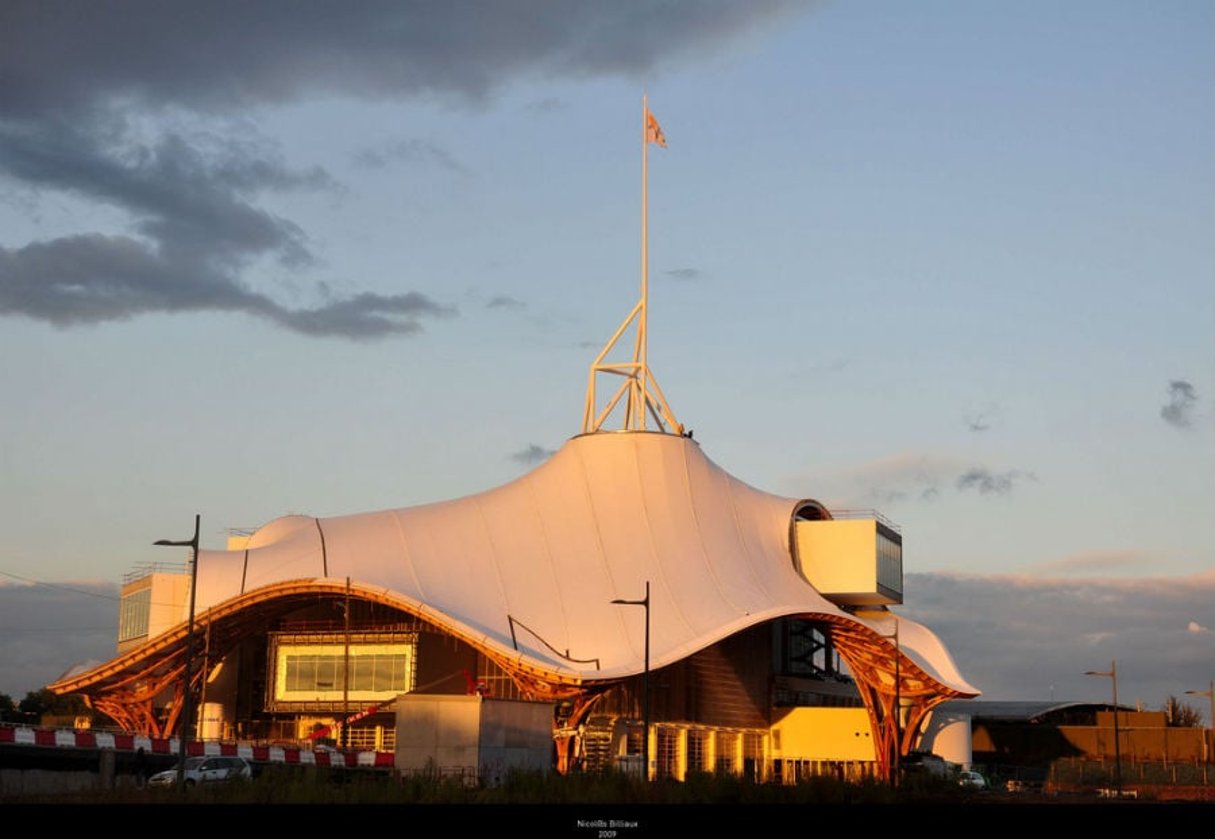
(1112, 673)
(1209, 694)
(645, 684)
(187, 712)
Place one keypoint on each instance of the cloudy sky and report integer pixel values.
(948, 260)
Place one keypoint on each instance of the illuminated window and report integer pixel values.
(698, 751)
(369, 672)
(313, 672)
(727, 745)
(668, 752)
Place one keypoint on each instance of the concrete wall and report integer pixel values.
(32, 771)
(515, 735)
(1038, 744)
(1155, 743)
(30, 783)
(472, 735)
(948, 735)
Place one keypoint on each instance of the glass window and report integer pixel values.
(134, 613)
(317, 672)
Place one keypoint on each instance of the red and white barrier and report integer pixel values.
(23, 735)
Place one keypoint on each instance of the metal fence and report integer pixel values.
(1088, 772)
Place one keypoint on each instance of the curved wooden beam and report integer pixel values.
(126, 686)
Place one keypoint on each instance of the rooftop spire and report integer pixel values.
(639, 393)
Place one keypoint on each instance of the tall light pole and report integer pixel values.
(645, 684)
(187, 726)
(1112, 673)
(1209, 694)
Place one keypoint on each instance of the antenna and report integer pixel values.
(640, 394)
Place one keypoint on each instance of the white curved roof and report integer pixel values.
(604, 515)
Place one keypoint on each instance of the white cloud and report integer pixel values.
(1088, 563)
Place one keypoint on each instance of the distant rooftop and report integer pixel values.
(864, 514)
(1026, 711)
(144, 569)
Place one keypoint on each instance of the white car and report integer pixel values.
(971, 780)
(205, 770)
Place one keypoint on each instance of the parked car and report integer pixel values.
(205, 770)
(971, 780)
(925, 763)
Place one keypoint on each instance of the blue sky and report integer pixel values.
(949, 260)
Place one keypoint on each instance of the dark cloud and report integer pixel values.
(1180, 409)
(505, 301)
(1017, 637)
(186, 194)
(45, 631)
(685, 274)
(364, 316)
(58, 56)
(408, 151)
(916, 477)
(980, 419)
(990, 483)
(532, 455)
(89, 88)
(193, 196)
(190, 201)
(891, 496)
(93, 279)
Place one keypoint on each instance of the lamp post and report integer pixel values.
(187, 725)
(645, 684)
(1209, 694)
(1112, 673)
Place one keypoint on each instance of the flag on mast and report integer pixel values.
(653, 131)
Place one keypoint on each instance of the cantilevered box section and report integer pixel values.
(153, 600)
(852, 562)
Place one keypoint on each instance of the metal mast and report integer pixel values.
(643, 398)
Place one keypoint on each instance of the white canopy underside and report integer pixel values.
(552, 549)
